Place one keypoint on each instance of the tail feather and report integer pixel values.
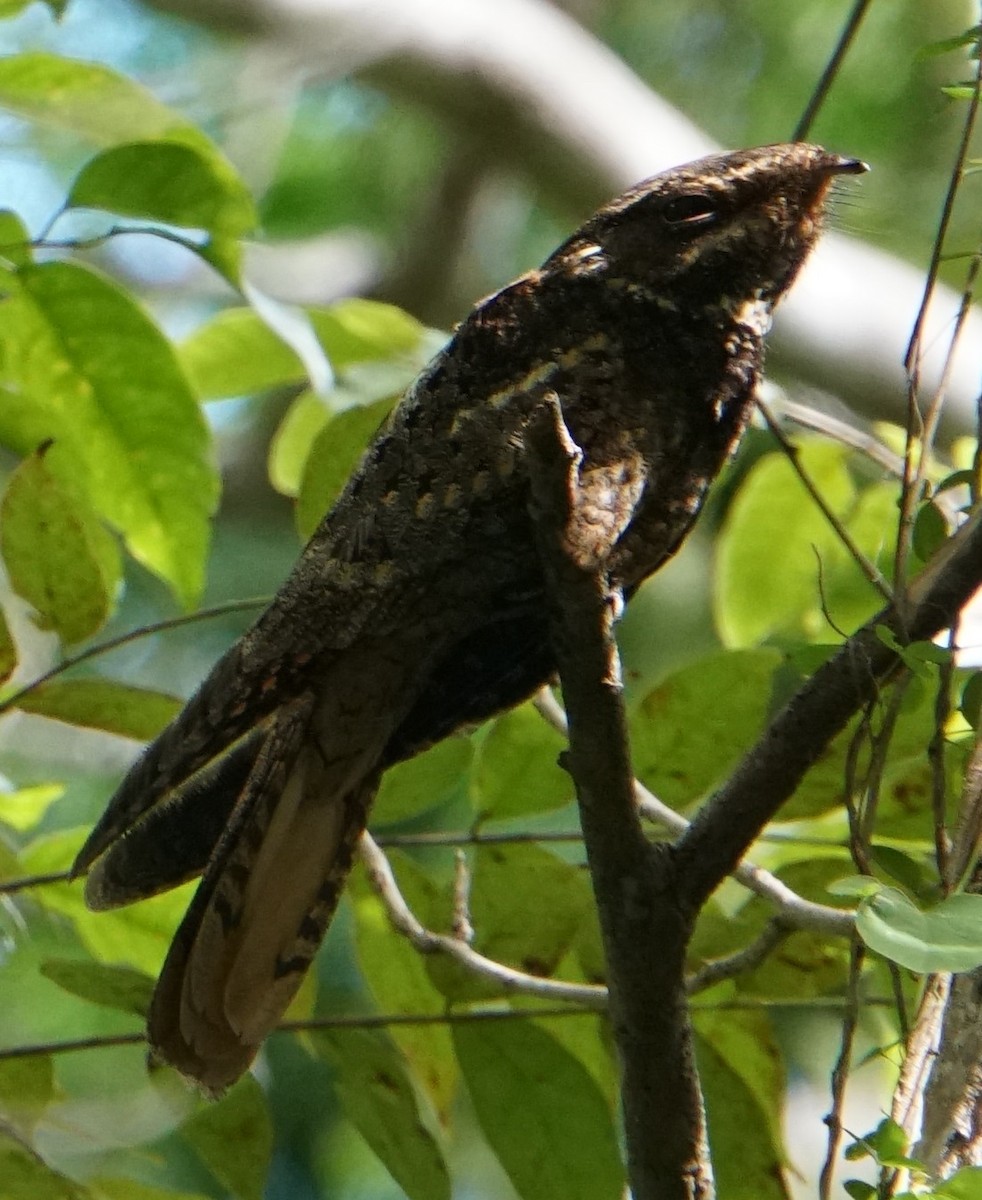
(174, 840)
(226, 708)
(263, 906)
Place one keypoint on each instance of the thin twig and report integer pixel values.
(824, 84)
(9, 886)
(314, 1024)
(840, 1073)
(461, 927)
(936, 757)
(751, 956)
(841, 431)
(124, 639)
(870, 571)
(509, 980)
(880, 750)
(916, 427)
(853, 790)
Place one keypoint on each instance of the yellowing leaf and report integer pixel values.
(84, 366)
(58, 556)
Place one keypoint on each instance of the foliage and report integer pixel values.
(110, 427)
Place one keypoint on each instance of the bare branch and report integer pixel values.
(868, 569)
(124, 639)
(507, 979)
(840, 1073)
(751, 956)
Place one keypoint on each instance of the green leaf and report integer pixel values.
(775, 532)
(91, 100)
(911, 873)
(397, 977)
(516, 769)
(742, 1071)
(947, 937)
(541, 1112)
(10, 8)
(969, 38)
(25, 808)
(8, 651)
(509, 883)
(423, 782)
(930, 530)
(859, 1190)
(169, 182)
(103, 704)
(27, 1087)
(358, 330)
(103, 1188)
(26, 1177)
(335, 453)
(970, 705)
(224, 255)
(15, 240)
(290, 445)
(379, 1099)
(918, 656)
(237, 354)
(234, 1139)
(107, 984)
(747, 1155)
(86, 367)
(887, 1144)
(965, 1184)
(58, 555)
(688, 732)
(855, 885)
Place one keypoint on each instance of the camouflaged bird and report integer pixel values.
(418, 605)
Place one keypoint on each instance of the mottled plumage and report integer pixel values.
(418, 604)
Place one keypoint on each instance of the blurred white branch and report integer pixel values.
(542, 95)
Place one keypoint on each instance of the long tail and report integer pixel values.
(263, 906)
(181, 766)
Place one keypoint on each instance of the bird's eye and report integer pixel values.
(690, 211)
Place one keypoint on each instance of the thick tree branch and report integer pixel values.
(793, 911)
(539, 94)
(725, 827)
(644, 930)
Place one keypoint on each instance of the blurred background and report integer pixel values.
(425, 152)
